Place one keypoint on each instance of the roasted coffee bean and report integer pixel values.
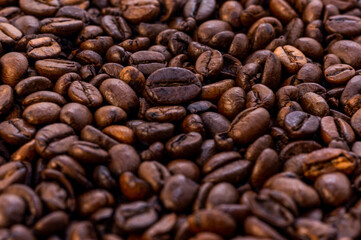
(31, 85)
(314, 104)
(301, 125)
(9, 34)
(121, 133)
(85, 93)
(61, 26)
(338, 184)
(347, 51)
(133, 187)
(133, 77)
(42, 113)
(291, 58)
(147, 61)
(242, 131)
(116, 27)
(165, 114)
(44, 96)
(55, 68)
(213, 221)
(155, 174)
(38, 8)
(339, 73)
(215, 123)
(209, 63)
(123, 158)
(199, 9)
(328, 160)
(6, 98)
(172, 86)
(333, 128)
(178, 193)
(184, 145)
(41, 48)
(344, 24)
(108, 115)
(16, 131)
(54, 139)
(119, 94)
(136, 12)
(13, 68)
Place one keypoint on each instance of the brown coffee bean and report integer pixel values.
(184, 145)
(213, 221)
(300, 124)
(123, 158)
(314, 104)
(339, 73)
(328, 160)
(282, 10)
(199, 9)
(122, 134)
(165, 114)
(109, 115)
(291, 58)
(242, 131)
(344, 24)
(335, 183)
(119, 94)
(13, 68)
(16, 131)
(133, 187)
(55, 68)
(209, 63)
(136, 12)
(6, 98)
(42, 113)
(347, 51)
(178, 193)
(336, 129)
(172, 86)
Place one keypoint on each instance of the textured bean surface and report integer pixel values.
(180, 119)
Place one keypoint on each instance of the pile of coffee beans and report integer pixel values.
(180, 119)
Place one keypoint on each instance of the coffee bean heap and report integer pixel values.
(180, 119)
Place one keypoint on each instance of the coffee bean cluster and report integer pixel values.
(180, 119)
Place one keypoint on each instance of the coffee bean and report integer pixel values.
(116, 27)
(344, 24)
(13, 68)
(137, 12)
(172, 86)
(147, 61)
(6, 98)
(347, 51)
(38, 8)
(55, 68)
(209, 63)
(339, 73)
(85, 93)
(54, 139)
(301, 125)
(16, 131)
(242, 131)
(328, 160)
(291, 58)
(41, 48)
(119, 94)
(336, 183)
(199, 9)
(76, 115)
(42, 113)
